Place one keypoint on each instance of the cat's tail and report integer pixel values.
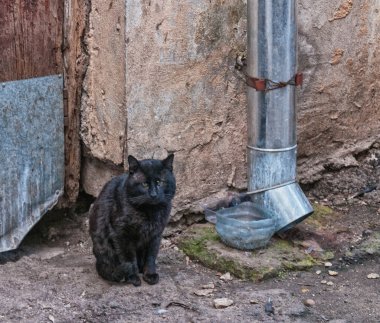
(124, 273)
(107, 272)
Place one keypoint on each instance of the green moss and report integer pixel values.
(296, 262)
(366, 249)
(321, 215)
(306, 263)
(262, 273)
(321, 210)
(282, 254)
(196, 248)
(327, 255)
(348, 254)
(296, 259)
(282, 274)
(282, 245)
(372, 245)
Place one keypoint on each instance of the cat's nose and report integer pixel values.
(153, 193)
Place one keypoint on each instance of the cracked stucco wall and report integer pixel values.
(185, 89)
(161, 79)
(103, 113)
(339, 51)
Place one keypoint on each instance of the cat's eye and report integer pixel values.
(158, 182)
(145, 185)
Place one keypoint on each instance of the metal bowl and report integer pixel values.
(246, 226)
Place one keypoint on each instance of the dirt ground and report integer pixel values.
(52, 278)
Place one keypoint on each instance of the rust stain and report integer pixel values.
(343, 11)
(364, 17)
(337, 56)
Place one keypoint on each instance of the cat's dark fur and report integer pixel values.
(128, 218)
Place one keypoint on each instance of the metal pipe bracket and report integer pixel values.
(268, 85)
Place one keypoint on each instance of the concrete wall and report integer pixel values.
(167, 83)
(103, 113)
(338, 106)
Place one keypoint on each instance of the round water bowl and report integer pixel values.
(246, 226)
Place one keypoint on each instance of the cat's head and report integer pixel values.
(150, 181)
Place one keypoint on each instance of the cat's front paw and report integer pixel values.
(134, 280)
(151, 279)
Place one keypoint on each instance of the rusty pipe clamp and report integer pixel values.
(268, 85)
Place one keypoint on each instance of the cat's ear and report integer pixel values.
(133, 164)
(168, 162)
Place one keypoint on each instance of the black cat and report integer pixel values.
(128, 218)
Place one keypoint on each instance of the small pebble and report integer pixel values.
(161, 311)
(226, 277)
(113, 304)
(318, 272)
(373, 276)
(43, 275)
(254, 301)
(309, 302)
(268, 307)
(328, 264)
(324, 282)
(333, 273)
(208, 286)
(330, 283)
(366, 233)
(222, 302)
(203, 292)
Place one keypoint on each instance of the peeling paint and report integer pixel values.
(337, 56)
(343, 11)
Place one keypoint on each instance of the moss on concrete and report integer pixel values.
(195, 246)
(202, 243)
(321, 216)
(367, 248)
(327, 255)
(301, 264)
(372, 245)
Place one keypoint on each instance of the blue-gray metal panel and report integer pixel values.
(31, 154)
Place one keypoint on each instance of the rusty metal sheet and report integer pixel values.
(31, 154)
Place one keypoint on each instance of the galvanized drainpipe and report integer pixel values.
(272, 146)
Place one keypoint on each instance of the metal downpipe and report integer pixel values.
(272, 146)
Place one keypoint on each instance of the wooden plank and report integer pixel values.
(30, 38)
(75, 65)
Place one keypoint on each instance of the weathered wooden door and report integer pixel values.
(31, 114)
